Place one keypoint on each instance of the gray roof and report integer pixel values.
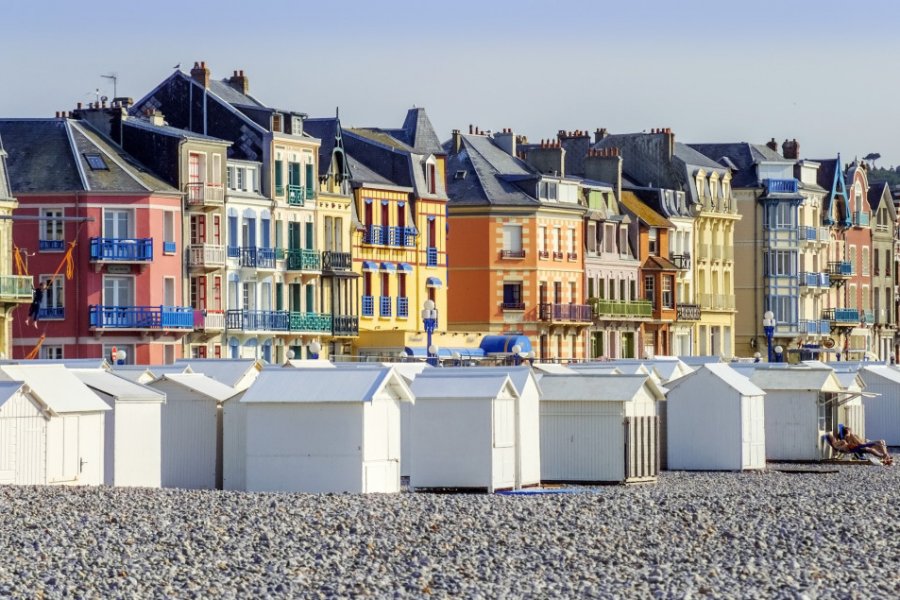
(492, 175)
(734, 379)
(226, 370)
(168, 130)
(48, 155)
(418, 132)
(117, 386)
(327, 130)
(890, 373)
(363, 174)
(742, 155)
(223, 90)
(602, 388)
(321, 385)
(449, 386)
(795, 379)
(519, 376)
(201, 384)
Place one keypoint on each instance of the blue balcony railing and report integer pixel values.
(809, 279)
(808, 233)
(122, 249)
(390, 235)
(52, 312)
(141, 317)
(251, 256)
(861, 219)
(402, 306)
(376, 234)
(257, 320)
(824, 280)
(384, 306)
(431, 257)
(869, 316)
(809, 327)
(234, 251)
(840, 269)
(368, 306)
(841, 315)
(51, 245)
(781, 186)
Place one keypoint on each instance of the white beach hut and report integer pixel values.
(317, 431)
(716, 421)
(74, 442)
(882, 403)
(23, 435)
(132, 428)
(144, 374)
(599, 428)
(801, 405)
(851, 409)
(528, 415)
(191, 430)
(237, 373)
(464, 433)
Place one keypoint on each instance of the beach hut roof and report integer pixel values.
(229, 371)
(8, 390)
(56, 387)
(604, 388)
(201, 384)
(796, 378)
(488, 385)
(731, 377)
(889, 373)
(118, 387)
(325, 385)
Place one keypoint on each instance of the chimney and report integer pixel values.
(791, 149)
(506, 140)
(604, 165)
(599, 134)
(457, 141)
(155, 118)
(772, 145)
(200, 74)
(239, 82)
(549, 158)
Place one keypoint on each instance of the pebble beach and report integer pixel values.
(834, 532)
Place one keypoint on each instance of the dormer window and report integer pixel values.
(548, 190)
(652, 242)
(96, 162)
(276, 122)
(431, 175)
(297, 125)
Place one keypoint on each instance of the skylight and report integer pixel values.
(96, 162)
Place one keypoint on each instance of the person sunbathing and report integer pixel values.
(850, 443)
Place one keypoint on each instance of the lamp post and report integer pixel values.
(769, 328)
(433, 351)
(756, 357)
(429, 319)
(457, 359)
(516, 349)
(778, 354)
(314, 348)
(121, 355)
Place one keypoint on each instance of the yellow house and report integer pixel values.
(14, 289)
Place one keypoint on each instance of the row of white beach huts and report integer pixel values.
(316, 426)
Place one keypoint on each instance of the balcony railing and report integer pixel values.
(310, 321)
(296, 195)
(572, 255)
(303, 259)
(122, 249)
(431, 257)
(809, 234)
(336, 261)
(209, 320)
(814, 327)
(51, 245)
(402, 306)
(257, 320)
(861, 219)
(573, 313)
(716, 301)
(384, 306)
(512, 306)
(368, 306)
(557, 255)
(622, 308)
(840, 269)
(390, 235)
(141, 317)
(15, 288)
(543, 254)
(809, 279)
(200, 193)
(682, 261)
(868, 317)
(52, 312)
(781, 186)
(845, 316)
(345, 325)
(687, 312)
(207, 256)
(512, 254)
(252, 256)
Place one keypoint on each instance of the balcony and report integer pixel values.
(841, 316)
(868, 317)
(840, 270)
(376, 235)
(296, 195)
(310, 321)
(808, 234)
(209, 320)
(687, 312)
(390, 235)
(202, 194)
(336, 261)
(15, 288)
(814, 327)
(512, 254)
(257, 320)
(572, 256)
(345, 326)
(861, 219)
(206, 256)
(622, 308)
(431, 257)
(682, 261)
(51, 313)
(303, 259)
(51, 245)
(567, 313)
(543, 254)
(169, 248)
(121, 250)
(368, 306)
(403, 307)
(558, 255)
(253, 257)
(141, 317)
(781, 186)
(716, 301)
(505, 306)
(384, 306)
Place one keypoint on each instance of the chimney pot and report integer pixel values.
(470, 129)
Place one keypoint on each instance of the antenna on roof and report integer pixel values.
(115, 80)
(337, 112)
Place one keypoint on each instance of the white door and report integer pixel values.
(169, 291)
(117, 224)
(62, 449)
(90, 449)
(504, 475)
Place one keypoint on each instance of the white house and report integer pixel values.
(599, 428)
(74, 443)
(882, 403)
(23, 435)
(716, 420)
(317, 431)
(191, 430)
(801, 406)
(528, 415)
(132, 428)
(464, 433)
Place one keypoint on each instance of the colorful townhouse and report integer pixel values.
(884, 218)
(860, 342)
(276, 300)
(516, 243)
(126, 291)
(399, 238)
(14, 289)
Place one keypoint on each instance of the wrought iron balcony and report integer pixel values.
(557, 255)
(51, 312)
(402, 306)
(206, 256)
(543, 254)
(431, 258)
(303, 259)
(127, 250)
(842, 316)
(622, 308)
(512, 306)
(295, 195)
(345, 325)
(368, 306)
(840, 269)
(568, 313)
(687, 312)
(257, 320)
(781, 186)
(201, 193)
(252, 256)
(141, 317)
(310, 321)
(682, 261)
(512, 254)
(51, 245)
(336, 261)
(15, 288)
(384, 306)
(572, 255)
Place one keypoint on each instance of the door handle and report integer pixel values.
(81, 465)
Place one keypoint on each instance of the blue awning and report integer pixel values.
(502, 344)
(464, 353)
(385, 266)
(368, 265)
(433, 282)
(405, 267)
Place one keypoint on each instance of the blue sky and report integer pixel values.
(820, 71)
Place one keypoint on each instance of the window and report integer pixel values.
(781, 215)
(865, 260)
(51, 352)
(573, 292)
(853, 264)
(217, 169)
(95, 162)
(542, 239)
(53, 304)
(591, 241)
(781, 263)
(557, 292)
(512, 240)
(652, 241)
(623, 240)
(168, 232)
(117, 224)
(512, 296)
(851, 296)
(649, 289)
(557, 240)
(571, 240)
(784, 308)
(667, 291)
(52, 232)
(548, 190)
(431, 177)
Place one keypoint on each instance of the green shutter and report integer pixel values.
(295, 173)
(279, 296)
(279, 178)
(309, 236)
(309, 299)
(310, 181)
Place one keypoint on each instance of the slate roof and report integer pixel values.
(5, 189)
(491, 175)
(643, 212)
(48, 155)
(223, 90)
(327, 130)
(170, 131)
(877, 192)
(418, 132)
(744, 157)
(363, 174)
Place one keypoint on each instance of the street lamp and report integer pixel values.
(290, 355)
(778, 351)
(433, 351)
(121, 355)
(516, 349)
(756, 357)
(429, 319)
(769, 328)
(457, 358)
(314, 348)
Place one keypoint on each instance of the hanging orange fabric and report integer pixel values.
(19, 261)
(37, 348)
